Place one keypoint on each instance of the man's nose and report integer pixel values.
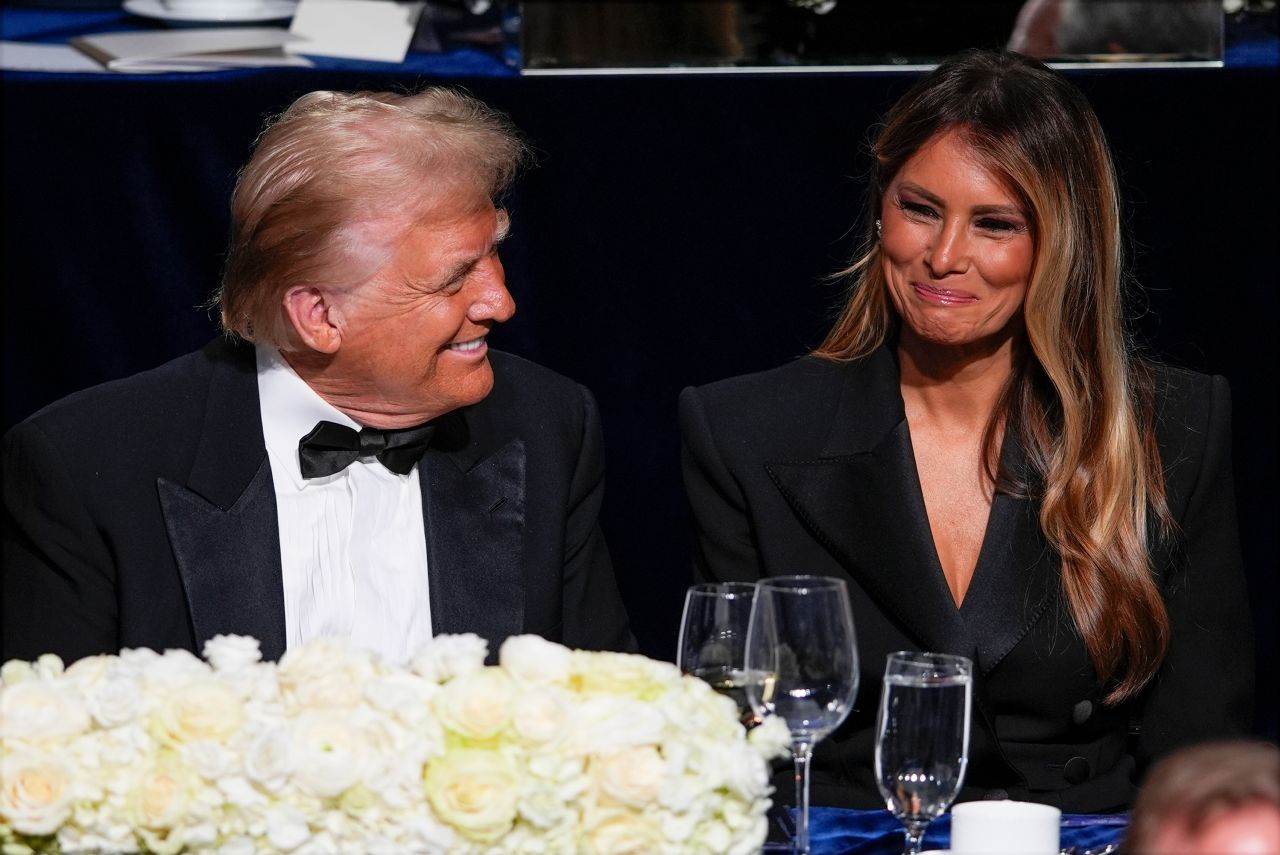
(493, 302)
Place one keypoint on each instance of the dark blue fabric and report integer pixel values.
(833, 831)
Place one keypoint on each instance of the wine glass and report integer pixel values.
(922, 737)
(713, 638)
(802, 665)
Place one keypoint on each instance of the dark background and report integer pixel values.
(678, 229)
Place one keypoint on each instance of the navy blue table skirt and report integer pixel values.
(834, 831)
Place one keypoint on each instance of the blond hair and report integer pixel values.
(335, 179)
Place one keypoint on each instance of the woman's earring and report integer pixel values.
(877, 229)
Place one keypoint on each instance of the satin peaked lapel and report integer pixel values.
(1016, 580)
(474, 515)
(866, 509)
(222, 524)
(861, 499)
(229, 561)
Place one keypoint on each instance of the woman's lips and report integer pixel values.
(942, 296)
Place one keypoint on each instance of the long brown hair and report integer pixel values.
(1079, 399)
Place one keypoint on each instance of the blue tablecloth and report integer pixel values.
(835, 831)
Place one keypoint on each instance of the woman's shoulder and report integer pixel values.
(1187, 400)
(793, 404)
(798, 380)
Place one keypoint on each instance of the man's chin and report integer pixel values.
(472, 389)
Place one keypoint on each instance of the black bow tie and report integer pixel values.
(330, 448)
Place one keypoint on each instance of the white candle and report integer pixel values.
(1004, 828)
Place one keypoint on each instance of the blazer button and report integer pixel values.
(995, 795)
(1077, 770)
(1081, 712)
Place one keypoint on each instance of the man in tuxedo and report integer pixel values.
(350, 459)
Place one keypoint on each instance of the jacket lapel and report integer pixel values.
(861, 499)
(1016, 579)
(474, 507)
(222, 523)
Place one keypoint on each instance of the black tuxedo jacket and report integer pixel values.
(141, 513)
(809, 469)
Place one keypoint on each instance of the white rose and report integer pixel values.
(209, 759)
(321, 844)
(750, 836)
(477, 705)
(632, 776)
(744, 771)
(622, 674)
(238, 791)
(90, 670)
(237, 846)
(533, 659)
(204, 709)
(771, 738)
(160, 795)
(325, 673)
(405, 696)
(543, 807)
(16, 671)
(116, 700)
(474, 791)
(716, 837)
(36, 794)
(268, 758)
(423, 832)
(622, 832)
(396, 758)
(49, 666)
(605, 724)
(232, 652)
(448, 656)
(329, 755)
(40, 710)
(171, 668)
(287, 828)
(559, 767)
(543, 716)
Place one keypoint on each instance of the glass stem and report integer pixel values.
(915, 838)
(801, 752)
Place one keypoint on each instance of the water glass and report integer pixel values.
(922, 737)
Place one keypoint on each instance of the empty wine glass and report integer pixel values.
(802, 665)
(922, 737)
(713, 639)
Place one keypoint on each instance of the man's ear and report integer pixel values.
(313, 317)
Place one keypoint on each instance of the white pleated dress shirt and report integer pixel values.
(352, 547)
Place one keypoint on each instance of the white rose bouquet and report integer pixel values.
(335, 751)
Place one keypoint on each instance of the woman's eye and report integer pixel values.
(917, 209)
(993, 225)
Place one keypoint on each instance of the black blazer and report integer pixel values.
(808, 468)
(141, 513)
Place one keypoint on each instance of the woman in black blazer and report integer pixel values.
(978, 450)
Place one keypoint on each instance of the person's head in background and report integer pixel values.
(1217, 798)
(1073, 28)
